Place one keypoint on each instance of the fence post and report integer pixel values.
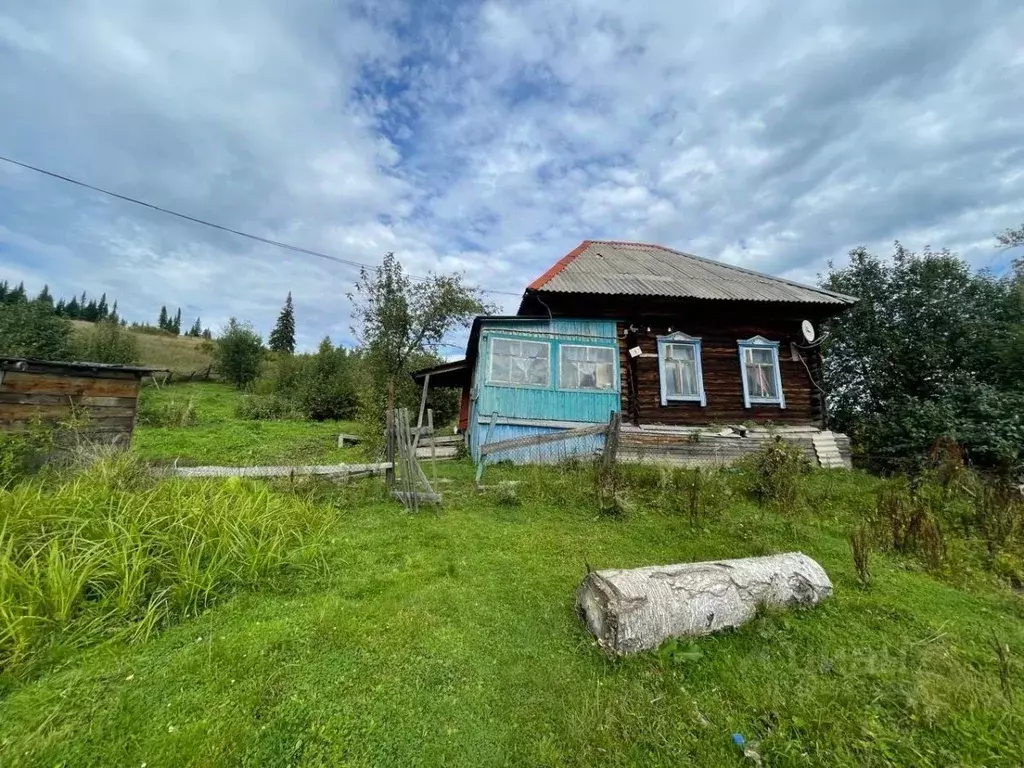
(487, 439)
(611, 440)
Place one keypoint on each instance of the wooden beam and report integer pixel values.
(543, 439)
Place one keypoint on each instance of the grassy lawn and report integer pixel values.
(219, 438)
(451, 639)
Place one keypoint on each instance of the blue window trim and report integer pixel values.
(554, 346)
(760, 342)
(681, 338)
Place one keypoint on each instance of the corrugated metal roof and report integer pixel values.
(640, 269)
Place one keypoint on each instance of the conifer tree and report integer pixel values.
(282, 338)
(196, 330)
(73, 309)
(176, 324)
(45, 297)
(163, 322)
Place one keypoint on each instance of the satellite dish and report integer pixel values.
(807, 330)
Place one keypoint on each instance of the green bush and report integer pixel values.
(266, 408)
(30, 329)
(107, 342)
(774, 473)
(238, 354)
(23, 453)
(110, 552)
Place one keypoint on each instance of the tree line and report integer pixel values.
(93, 310)
(931, 354)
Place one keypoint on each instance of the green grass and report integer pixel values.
(178, 353)
(219, 438)
(111, 552)
(451, 639)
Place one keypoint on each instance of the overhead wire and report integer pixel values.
(221, 227)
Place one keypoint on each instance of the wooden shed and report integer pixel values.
(104, 397)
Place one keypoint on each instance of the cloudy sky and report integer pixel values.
(491, 138)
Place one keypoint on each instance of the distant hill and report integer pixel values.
(182, 354)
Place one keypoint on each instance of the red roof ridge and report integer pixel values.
(558, 266)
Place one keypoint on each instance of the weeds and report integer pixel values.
(176, 412)
(775, 471)
(1003, 657)
(106, 553)
(860, 545)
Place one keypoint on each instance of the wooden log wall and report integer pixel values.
(719, 324)
(106, 399)
(723, 383)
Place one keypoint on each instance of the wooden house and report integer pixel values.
(101, 399)
(704, 360)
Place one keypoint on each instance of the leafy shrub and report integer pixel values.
(21, 454)
(112, 553)
(774, 473)
(238, 354)
(266, 408)
(107, 342)
(30, 329)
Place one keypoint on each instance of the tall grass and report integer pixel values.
(111, 553)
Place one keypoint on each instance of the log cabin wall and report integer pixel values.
(106, 398)
(720, 324)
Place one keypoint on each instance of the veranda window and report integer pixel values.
(518, 362)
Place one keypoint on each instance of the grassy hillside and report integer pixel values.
(179, 353)
(451, 638)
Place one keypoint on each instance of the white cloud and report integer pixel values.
(492, 138)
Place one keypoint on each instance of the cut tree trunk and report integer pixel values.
(637, 610)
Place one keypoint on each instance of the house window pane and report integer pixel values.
(762, 381)
(519, 363)
(586, 367)
(679, 367)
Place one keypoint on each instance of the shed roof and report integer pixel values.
(642, 269)
(16, 363)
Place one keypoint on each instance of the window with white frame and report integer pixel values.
(759, 367)
(680, 369)
(520, 362)
(582, 367)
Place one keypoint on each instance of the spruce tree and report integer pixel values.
(163, 322)
(114, 317)
(44, 296)
(91, 311)
(17, 296)
(73, 310)
(176, 325)
(196, 330)
(282, 338)
(4, 290)
(60, 308)
(102, 310)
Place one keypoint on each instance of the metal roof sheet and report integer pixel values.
(640, 269)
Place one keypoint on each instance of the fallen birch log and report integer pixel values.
(637, 610)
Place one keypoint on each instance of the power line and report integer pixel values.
(221, 227)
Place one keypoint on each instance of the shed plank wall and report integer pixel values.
(107, 400)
